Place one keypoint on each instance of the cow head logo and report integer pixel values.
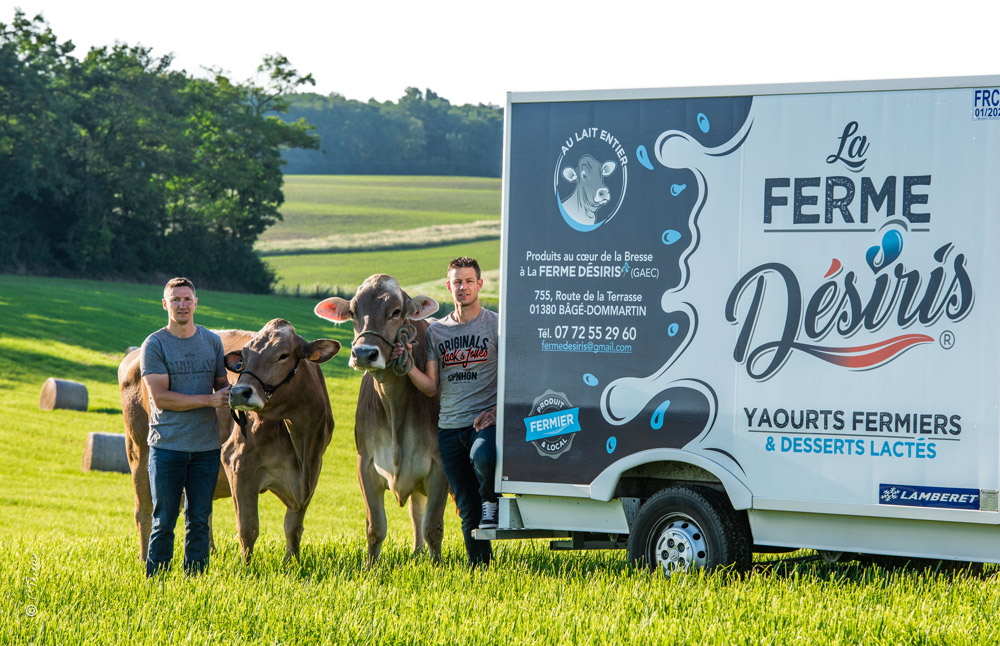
(590, 185)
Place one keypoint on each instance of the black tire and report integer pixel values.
(689, 527)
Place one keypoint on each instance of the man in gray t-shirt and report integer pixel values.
(193, 365)
(466, 355)
(462, 365)
(184, 372)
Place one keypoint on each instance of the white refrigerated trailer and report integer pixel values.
(750, 318)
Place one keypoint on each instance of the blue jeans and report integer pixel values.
(470, 461)
(170, 473)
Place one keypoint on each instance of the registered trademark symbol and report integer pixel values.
(947, 340)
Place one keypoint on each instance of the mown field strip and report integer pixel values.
(440, 234)
(347, 270)
(317, 206)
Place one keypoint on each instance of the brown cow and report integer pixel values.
(286, 431)
(395, 426)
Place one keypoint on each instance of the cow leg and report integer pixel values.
(293, 532)
(221, 491)
(418, 502)
(373, 487)
(437, 498)
(245, 499)
(139, 464)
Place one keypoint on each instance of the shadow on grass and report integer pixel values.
(105, 411)
(869, 568)
(26, 365)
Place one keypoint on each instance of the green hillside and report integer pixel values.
(339, 229)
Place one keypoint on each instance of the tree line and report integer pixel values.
(114, 165)
(421, 134)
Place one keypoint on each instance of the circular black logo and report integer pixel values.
(552, 402)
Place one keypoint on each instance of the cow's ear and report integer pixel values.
(321, 350)
(607, 168)
(234, 361)
(334, 309)
(421, 307)
(569, 174)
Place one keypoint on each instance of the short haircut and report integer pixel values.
(465, 261)
(180, 281)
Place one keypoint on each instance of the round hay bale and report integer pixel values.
(105, 452)
(62, 393)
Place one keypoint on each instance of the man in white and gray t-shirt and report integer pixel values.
(462, 364)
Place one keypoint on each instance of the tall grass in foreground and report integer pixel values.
(89, 590)
(68, 549)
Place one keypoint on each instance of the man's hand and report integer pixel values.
(397, 351)
(484, 419)
(220, 398)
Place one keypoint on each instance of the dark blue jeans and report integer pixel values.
(170, 473)
(470, 461)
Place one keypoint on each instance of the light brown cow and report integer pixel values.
(395, 426)
(286, 431)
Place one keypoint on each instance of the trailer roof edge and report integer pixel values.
(819, 87)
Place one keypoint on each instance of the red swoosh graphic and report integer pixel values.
(866, 356)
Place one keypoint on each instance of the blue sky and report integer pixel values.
(475, 52)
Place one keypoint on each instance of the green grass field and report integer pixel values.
(338, 213)
(409, 266)
(69, 572)
(321, 205)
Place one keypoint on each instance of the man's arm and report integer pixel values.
(425, 380)
(166, 399)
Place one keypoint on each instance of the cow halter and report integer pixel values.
(404, 362)
(240, 417)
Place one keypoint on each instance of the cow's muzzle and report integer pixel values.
(367, 357)
(243, 397)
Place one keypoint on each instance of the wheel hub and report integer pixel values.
(680, 546)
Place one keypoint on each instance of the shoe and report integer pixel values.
(491, 511)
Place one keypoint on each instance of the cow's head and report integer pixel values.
(379, 309)
(270, 361)
(589, 177)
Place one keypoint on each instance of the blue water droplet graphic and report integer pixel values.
(612, 443)
(643, 156)
(675, 189)
(657, 420)
(590, 379)
(673, 329)
(703, 122)
(670, 236)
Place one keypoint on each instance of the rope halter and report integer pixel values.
(404, 362)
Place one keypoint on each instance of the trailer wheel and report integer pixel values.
(685, 528)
